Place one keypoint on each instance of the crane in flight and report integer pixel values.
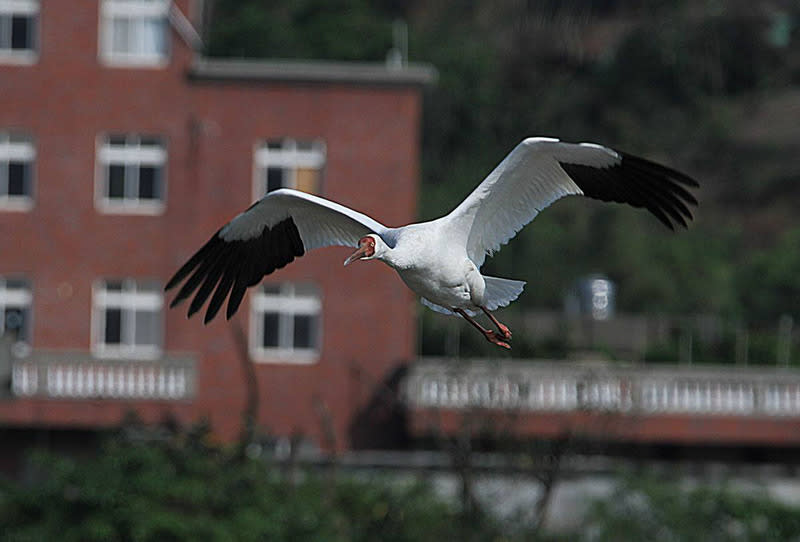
(440, 260)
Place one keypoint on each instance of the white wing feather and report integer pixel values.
(528, 180)
(281, 226)
(319, 221)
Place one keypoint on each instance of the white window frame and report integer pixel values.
(131, 154)
(128, 301)
(17, 149)
(288, 157)
(287, 303)
(17, 297)
(138, 10)
(9, 8)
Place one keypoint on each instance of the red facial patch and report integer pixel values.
(369, 244)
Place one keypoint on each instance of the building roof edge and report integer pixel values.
(312, 71)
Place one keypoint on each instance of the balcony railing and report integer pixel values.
(77, 375)
(563, 387)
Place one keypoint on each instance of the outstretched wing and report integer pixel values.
(541, 170)
(281, 226)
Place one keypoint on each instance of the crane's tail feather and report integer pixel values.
(501, 292)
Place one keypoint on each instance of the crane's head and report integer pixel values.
(369, 247)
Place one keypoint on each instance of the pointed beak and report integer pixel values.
(357, 255)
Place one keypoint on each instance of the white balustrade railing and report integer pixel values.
(564, 387)
(80, 376)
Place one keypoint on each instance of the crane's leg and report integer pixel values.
(504, 331)
(490, 335)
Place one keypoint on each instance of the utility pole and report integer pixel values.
(784, 349)
(7, 341)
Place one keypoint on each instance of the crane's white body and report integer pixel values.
(440, 260)
(433, 263)
(438, 271)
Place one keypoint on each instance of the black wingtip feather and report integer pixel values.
(212, 278)
(224, 287)
(641, 183)
(228, 268)
(194, 280)
(193, 262)
(661, 169)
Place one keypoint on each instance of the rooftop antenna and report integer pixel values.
(397, 57)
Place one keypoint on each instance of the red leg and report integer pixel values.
(501, 327)
(490, 335)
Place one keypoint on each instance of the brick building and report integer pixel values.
(121, 151)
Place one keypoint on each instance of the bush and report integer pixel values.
(183, 489)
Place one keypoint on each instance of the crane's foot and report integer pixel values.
(490, 335)
(502, 328)
(504, 331)
(493, 338)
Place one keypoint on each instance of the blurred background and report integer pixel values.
(653, 388)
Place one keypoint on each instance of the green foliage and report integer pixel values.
(770, 282)
(183, 489)
(321, 29)
(661, 510)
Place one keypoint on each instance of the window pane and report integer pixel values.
(116, 140)
(16, 137)
(150, 141)
(270, 338)
(274, 178)
(153, 36)
(305, 145)
(5, 39)
(148, 176)
(21, 32)
(304, 331)
(17, 179)
(15, 322)
(272, 289)
(146, 328)
(113, 285)
(305, 289)
(17, 284)
(148, 286)
(307, 180)
(131, 174)
(120, 30)
(116, 181)
(113, 331)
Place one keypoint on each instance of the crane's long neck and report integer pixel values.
(385, 253)
(391, 257)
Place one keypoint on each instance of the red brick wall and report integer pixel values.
(67, 99)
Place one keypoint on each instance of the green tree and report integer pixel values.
(320, 29)
(183, 489)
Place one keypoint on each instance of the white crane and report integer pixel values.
(440, 260)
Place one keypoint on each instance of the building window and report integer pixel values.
(289, 163)
(126, 319)
(134, 32)
(131, 174)
(15, 309)
(17, 154)
(18, 30)
(285, 323)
